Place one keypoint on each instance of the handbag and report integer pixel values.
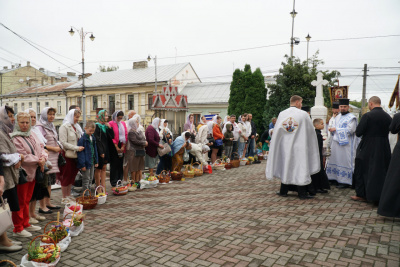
(39, 175)
(140, 153)
(71, 154)
(165, 150)
(23, 176)
(218, 142)
(5, 217)
(61, 160)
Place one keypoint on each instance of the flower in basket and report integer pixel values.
(78, 219)
(57, 233)
(45, 253)
(250, 158)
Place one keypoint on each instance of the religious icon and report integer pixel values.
(339, 92)
(290, 125)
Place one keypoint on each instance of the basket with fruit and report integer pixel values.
(42, 255)
(132, 186)
(198, 169)
(120, 189)
(101, 196)
(176, 176)
(57, 232)
(88, 202)
(189, 171)
(164, 177)
(219, 165)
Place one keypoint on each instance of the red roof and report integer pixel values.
(58, 87)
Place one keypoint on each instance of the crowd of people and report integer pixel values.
(360, 154)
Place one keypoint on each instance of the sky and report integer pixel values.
(194, 30)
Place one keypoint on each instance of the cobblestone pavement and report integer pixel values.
(231, 218)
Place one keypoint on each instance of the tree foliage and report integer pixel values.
(103, 68)
(295, 78)
(248, 95)
(356, 103)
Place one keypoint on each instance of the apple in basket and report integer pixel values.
(73, 208)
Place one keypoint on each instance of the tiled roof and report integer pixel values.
(207, 93)
(132, 76)
(58, 87)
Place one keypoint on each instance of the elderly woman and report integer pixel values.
(135, 153)
(153, 139)
(69, 136)
(178, 148)
(35, 157)
(218, 137)
(198, 150)
(117, 154)
(203, 121)
(10, 161)
(190, 127)
(40, 191)
(46, 127)
(104, 136)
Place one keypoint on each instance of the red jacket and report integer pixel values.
(217, 134)
(114, 126)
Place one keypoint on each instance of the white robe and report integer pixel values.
(201, 137)
(340, 166)
(293, 154)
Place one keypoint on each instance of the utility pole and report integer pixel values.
(364, 100)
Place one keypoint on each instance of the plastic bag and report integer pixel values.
(68, 211)
(74, 230)
(186, 156)
(26, 263)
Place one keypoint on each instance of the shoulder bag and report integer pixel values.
(5, 217)
(140, 153)
(165, 150)
(61, 160)
(23, 176)
(39, 176)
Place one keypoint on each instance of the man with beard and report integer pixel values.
(340, 167)
(373, 153)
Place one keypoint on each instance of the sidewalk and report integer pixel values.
(230, 218)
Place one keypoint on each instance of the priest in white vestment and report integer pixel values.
(294, 154)
(340, 166)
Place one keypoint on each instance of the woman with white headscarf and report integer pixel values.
(69, 136)
(136, 148)
(164, 129)
(46, 127)
(119, 140)
(153, 139)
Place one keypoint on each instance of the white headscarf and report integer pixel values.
(137, 118)
(70, 120)
(43, 121)
(155, 124)
(214, 119)
(226, 119)
(35, 129)
(133, 124)
(210, 125)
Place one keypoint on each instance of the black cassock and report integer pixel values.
(389, 205)
(373, 154)
(320, 179)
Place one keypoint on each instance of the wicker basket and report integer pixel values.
(49, 239)
(236, 161)
(10, 263)
(176, 176)
(164, 177)
(119, 189)
(198, 169)
(101, 199)
(88, 202)
(218, 165)
(189, 171)
(43, 260)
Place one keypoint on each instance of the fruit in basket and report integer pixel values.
(73, 208)
(57, 233)
(250, 158)
(44, 254)
(100, 195)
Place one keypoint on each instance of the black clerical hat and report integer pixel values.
(335, 105)
(305, 108)
(344, 102)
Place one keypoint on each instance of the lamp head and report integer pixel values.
(148, 58)
(92, 37)
(71, 32)
(308, 37)
(293, 14)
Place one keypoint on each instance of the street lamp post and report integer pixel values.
(293, 14)
(82, 35)
(308, 37)
(155, 79)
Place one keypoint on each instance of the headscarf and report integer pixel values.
(43, 121)
(162, 125)
(205, 148)
(35, 129)
(70, 119)
(240, 119)
(190, 123)
(5, 121)
(210, 125)
(17, 130)
(214, 119)
(137, 118)
(177, 144)
(133, 124)
(114, 116)
(155, 124)
(226, 119)
(121, 129)
(101, 119)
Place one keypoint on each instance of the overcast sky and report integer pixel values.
(129, 30)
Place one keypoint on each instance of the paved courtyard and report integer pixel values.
(231, 218)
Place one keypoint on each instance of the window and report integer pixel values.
(111, 104)
(30, 104)
(131, 99)
(79, 101)
(46, 104)
(23, 106)
(94, 104)
(38, 107)
(150, 100)
(15, 108)
(197, 118)
(59, 111)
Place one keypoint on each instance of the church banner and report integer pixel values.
(338, 92)
(394, 99)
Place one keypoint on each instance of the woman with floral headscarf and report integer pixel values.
(10, 161)
(190, 127)
(46, 127)
(153, 139)
(119, 141)
(136, 141)
(104, 135)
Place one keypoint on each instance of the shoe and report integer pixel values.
(65, 201)
(33, 228)
(45, 212)
(343, 186)
(40, 218)
(23, 233)
(322, 191)
(75, 195)
(13, 248)
(53, 208)
(282, 195)
(72, 198)
(306, 197)
(356, 198)
(16, 242)
(33, 221)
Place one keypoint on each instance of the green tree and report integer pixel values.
(295, 78)
(103, 68)
(356, 103)
(236, 94)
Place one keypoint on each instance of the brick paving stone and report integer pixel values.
(230, 218)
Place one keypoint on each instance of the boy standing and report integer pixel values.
(228, 140)
(87, 159)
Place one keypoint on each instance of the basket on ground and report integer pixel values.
(42, 255)
(176, 176)
(219, 165)
(189, 171)
(164, 177)
(56, 234)
(120, 189)
(88, 202)
(236, 161)
(198, 169)
(101, 197)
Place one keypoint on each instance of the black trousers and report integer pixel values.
(302, 190)
(234, 148)
(116, 170)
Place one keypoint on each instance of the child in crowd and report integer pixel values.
(319, 181)
(87, 159)
(265, 140)
(228, 140)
